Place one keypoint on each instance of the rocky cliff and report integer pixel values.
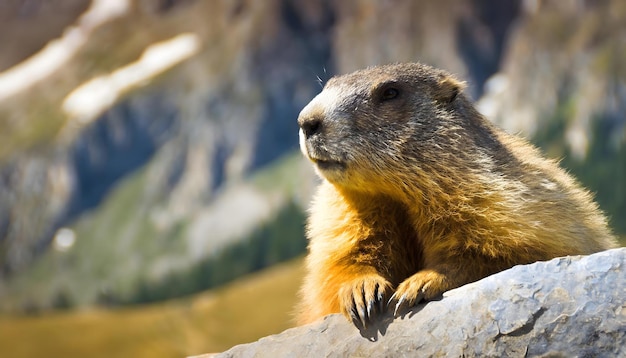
(566, 307)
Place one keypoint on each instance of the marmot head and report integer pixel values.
(370, 125)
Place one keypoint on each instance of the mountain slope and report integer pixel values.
(155, 169)
(118, 254)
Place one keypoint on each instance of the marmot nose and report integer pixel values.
(310, 125)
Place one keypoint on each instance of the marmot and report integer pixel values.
(421, 194)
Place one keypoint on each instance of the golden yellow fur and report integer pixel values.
(420, 194)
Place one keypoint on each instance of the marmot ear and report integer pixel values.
(448, 89)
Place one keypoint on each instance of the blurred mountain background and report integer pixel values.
(149, 160)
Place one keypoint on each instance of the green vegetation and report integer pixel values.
(602, 171)
(276, 241)
(280, 174)
(112, 244)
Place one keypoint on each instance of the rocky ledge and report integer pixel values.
(570, 307)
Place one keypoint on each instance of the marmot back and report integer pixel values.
(422, 194)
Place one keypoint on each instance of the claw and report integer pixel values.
(381, 303)
(399, 304)
(393, 297)
(362, 307)
(354, 314)
(362, 316)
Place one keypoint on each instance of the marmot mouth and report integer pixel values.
(322, 159)
(329, 164)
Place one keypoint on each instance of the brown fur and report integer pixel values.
(421, 194)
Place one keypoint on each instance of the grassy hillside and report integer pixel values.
(122, 255)
(250, 308)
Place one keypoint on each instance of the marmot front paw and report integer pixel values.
(364, 298)
(424, 285)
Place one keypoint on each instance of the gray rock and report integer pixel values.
(570, 307)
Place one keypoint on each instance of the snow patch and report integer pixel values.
(57, 52)
(93, 97)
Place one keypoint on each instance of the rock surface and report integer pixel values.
(570, 307)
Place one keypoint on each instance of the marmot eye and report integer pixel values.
(390, 93)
